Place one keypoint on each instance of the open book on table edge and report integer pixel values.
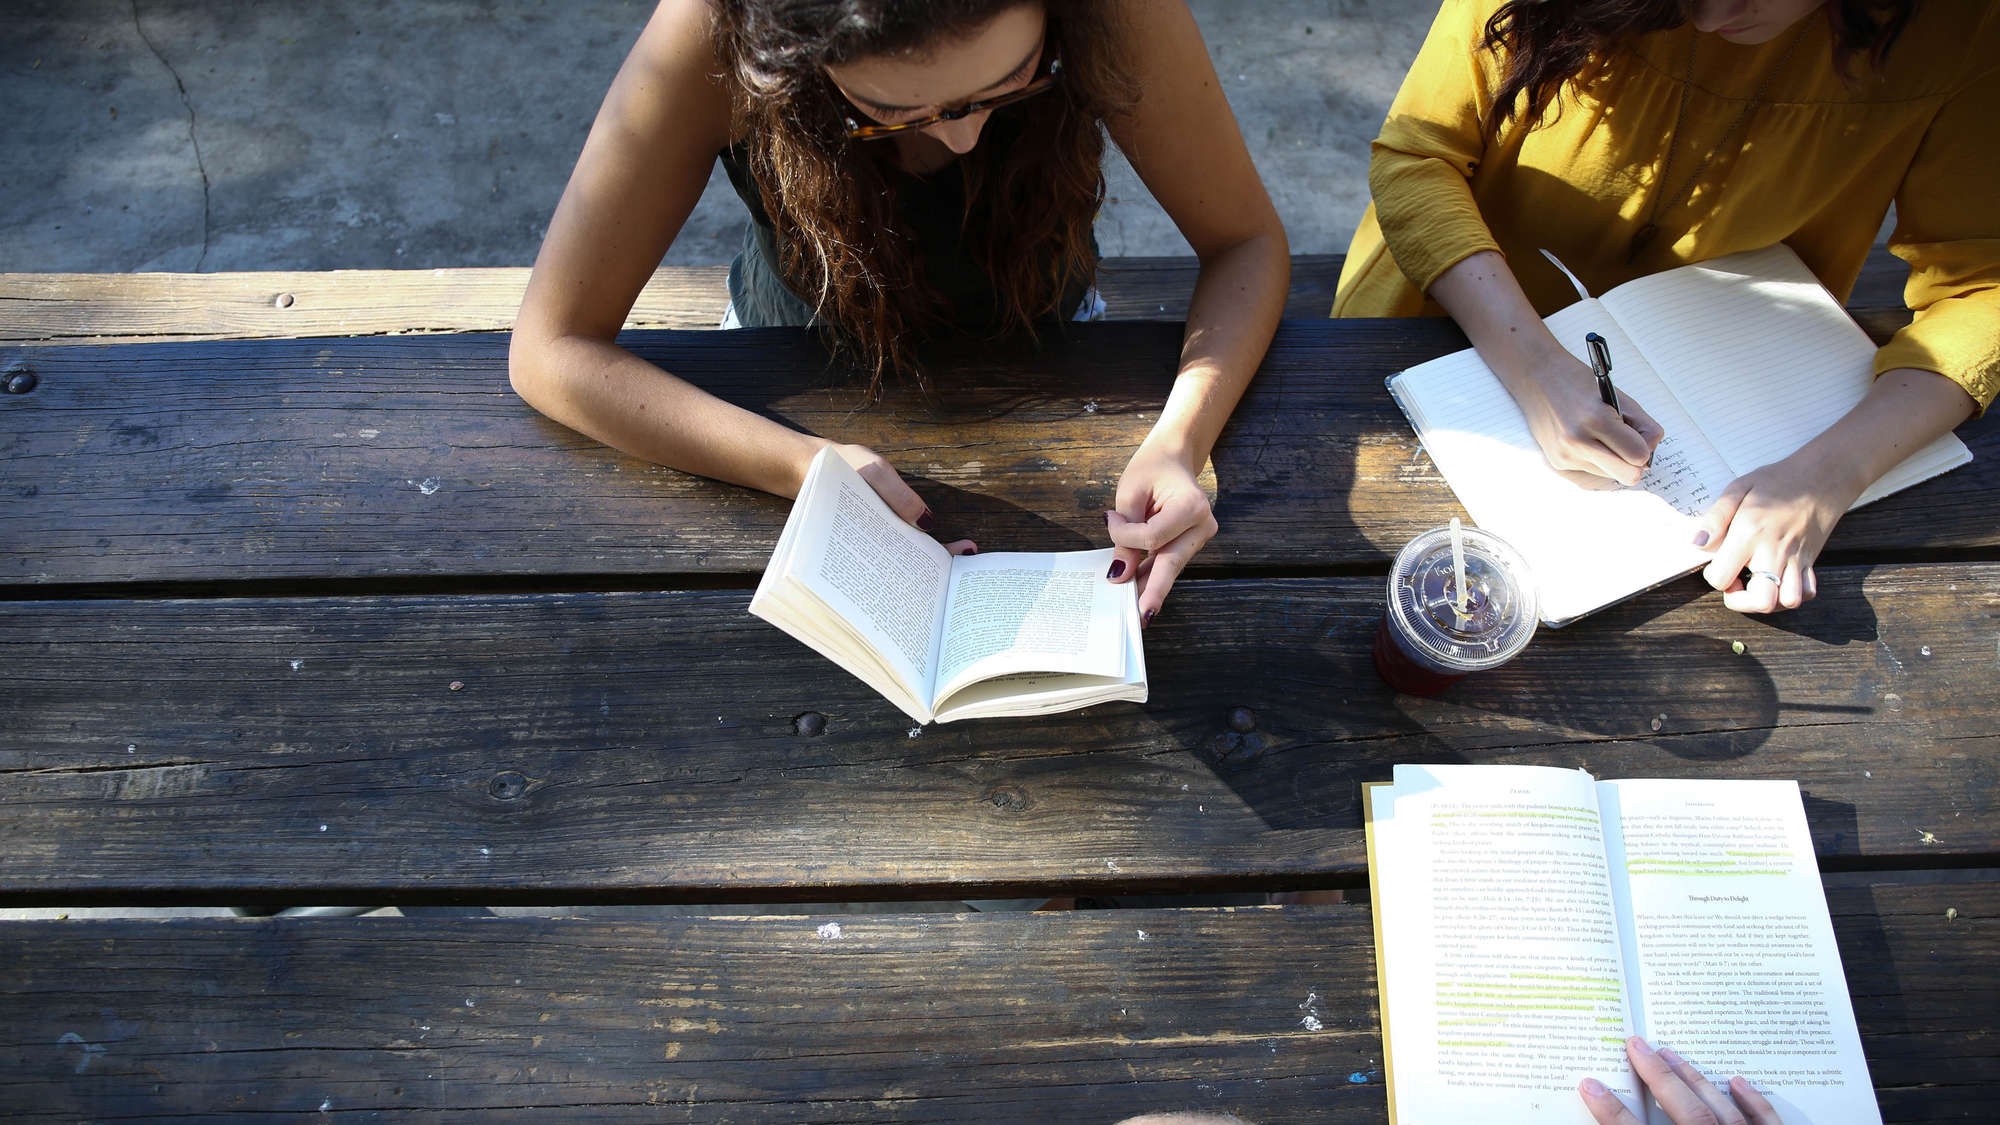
(1855, 1106)
(1760, 311)
(882, 600)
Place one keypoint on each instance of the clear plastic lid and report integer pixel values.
(1496, 619)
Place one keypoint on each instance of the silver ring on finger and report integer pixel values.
(1767, 575)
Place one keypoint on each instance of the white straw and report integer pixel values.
(1463, 601)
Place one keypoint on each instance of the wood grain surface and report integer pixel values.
(302, 621)
(1077, 1017)
(86, 308)
(410, 458)
(644, 746)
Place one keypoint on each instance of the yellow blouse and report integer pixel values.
(1815, 164)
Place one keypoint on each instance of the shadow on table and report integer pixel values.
(996, 524)
(1294, 729)
(1840, 615)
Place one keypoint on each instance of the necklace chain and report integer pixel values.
(1662, 199)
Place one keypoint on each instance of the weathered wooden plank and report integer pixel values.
(87, 308)
(1159, 288)
(1075, 1017)
(643, 746)
(83, 308)
(1918, 957)
(410, 456)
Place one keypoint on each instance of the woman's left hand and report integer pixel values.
(1162, 519)
(1772, 521)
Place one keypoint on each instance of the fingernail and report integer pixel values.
(927, 521)
(1117, 568)
(1701, 538)
(1667, 1053)
(1146, 618)
(972, 550)
(1593, 1088)
(1638, 1044)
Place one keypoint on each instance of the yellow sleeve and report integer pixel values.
(1948, 229)
(1433, 139)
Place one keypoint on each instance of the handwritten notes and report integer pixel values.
(1678, 478)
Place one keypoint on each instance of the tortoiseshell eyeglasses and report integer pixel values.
(1046, 77)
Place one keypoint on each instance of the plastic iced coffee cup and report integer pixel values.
(1430, 636)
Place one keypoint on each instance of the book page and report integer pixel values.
(1011, 611)
(1504, 984)
(1726, 928)
(1759, 353)
(883, 577)
(1587, 548)
(1045, 693)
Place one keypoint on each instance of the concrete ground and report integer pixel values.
(207, 135)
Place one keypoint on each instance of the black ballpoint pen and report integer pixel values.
(1600, 366)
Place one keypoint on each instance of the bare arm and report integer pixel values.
(1183, 141)
(641, 172)
(1775, 520)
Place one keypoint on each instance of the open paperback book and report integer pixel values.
(944, 637)
(1741, 359)
(1529, 919)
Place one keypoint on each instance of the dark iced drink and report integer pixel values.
(1435, 632)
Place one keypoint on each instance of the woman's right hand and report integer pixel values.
(1684, 1094)
(901, 498)
(1585, 440)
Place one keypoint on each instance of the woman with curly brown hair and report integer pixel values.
(1633, 136)
(914, 169)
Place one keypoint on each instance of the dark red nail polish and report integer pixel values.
(1146, 618)
(972, 550)
(1117, 568)
(927, 521)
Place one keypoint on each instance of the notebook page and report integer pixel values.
(1763, 358)
(1759, 353)
(1587, 549)
(1941, 456)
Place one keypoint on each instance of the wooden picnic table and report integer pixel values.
(339, 619)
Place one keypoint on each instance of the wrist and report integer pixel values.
(1842, 477)
(1529, 367)
(1175, 444)
(797, 461)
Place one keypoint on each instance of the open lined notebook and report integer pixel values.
(1742, 360)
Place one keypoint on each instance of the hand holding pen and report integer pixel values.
(1591, 446)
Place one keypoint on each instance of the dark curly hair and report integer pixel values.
(1548, 43)
(833, 202)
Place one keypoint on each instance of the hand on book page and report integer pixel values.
(1773, 520)
(1683, 1093)
(901, 498)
